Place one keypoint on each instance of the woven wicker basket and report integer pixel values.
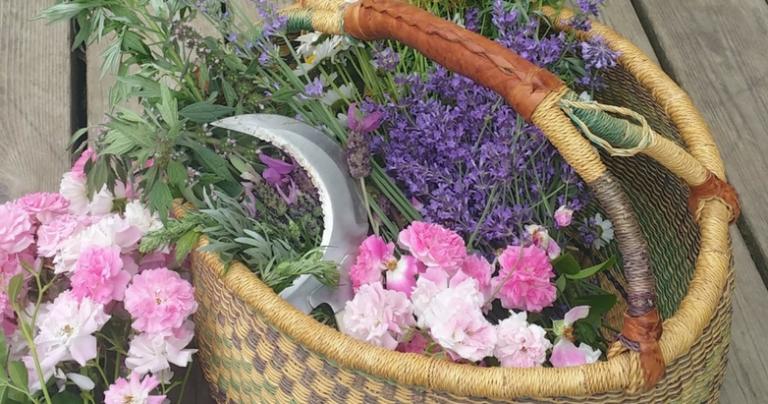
(669, 205)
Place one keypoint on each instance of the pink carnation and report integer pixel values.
(403, 277)
(378, 316)
(373, 257)
(521, 345)
(16, 229)
(525, 276)
(99, 275)
(44, 206)
(52, 233)
(417, 344)
(159, 301)
(434, 245)
(133, 390)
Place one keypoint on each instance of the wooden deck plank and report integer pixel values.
(34, 100)
(717, 50)
(747, 362)
(745, 381)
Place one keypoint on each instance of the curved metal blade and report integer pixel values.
(345, 224)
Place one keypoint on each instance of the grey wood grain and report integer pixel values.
(718, 51)
(747, 362)
(34, 99)
(747, 374)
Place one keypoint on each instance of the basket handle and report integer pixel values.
(534, 93)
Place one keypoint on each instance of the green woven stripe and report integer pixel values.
(299, 21)
(619, 132)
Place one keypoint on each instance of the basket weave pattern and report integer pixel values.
(254, 347)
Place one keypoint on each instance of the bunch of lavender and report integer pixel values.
(468, 161)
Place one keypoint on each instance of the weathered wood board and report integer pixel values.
(718, 51)
(35, 99)
(747, 362)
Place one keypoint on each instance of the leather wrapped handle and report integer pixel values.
(522, 84)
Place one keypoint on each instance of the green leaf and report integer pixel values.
(566, 264)
(66, 397)
(4, 394)
(560, 283)
(205, 112)
(587, 272)
(18, 373)
(3, 352)
(168, 107)
(177, 174)
(14, 287)
(212, 162)
(229, 92)
(160, 199)
(117, 144)
(234, 63)
(132, 42)
(185, 244)
(97, 176)
(599, 304)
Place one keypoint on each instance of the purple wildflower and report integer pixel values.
(472, 19)
(591, 7)
(367, 124)
(314, 89)
(232, 37)
(277, 174)
(597, 54)
(386, 60)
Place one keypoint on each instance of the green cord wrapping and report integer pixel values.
(619, 136)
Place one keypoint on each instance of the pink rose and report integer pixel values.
(563, 216)
(373, 257)
(159, 301)
(540, 238)
(99, 275)
(566, 353)
(44, 206)
(403, 277)
(378, 316)
(456, 322)
(16, 229)
(52, 233)
(417, 344)
(525, 279)
(479, 269)
(434, 245)
(133, 390)
(520, 345)
(79, 167)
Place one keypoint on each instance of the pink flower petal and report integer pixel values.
(575, 314)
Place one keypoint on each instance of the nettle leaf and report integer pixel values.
(168, 107)
(177, 174)
(160, 199)
(205, 112)
(566, 264)
(97, 176)
(117, 144)
(229, 92)
(593, 270)
(185, 244)
(132, 42)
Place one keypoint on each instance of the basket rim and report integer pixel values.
(623, 371)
